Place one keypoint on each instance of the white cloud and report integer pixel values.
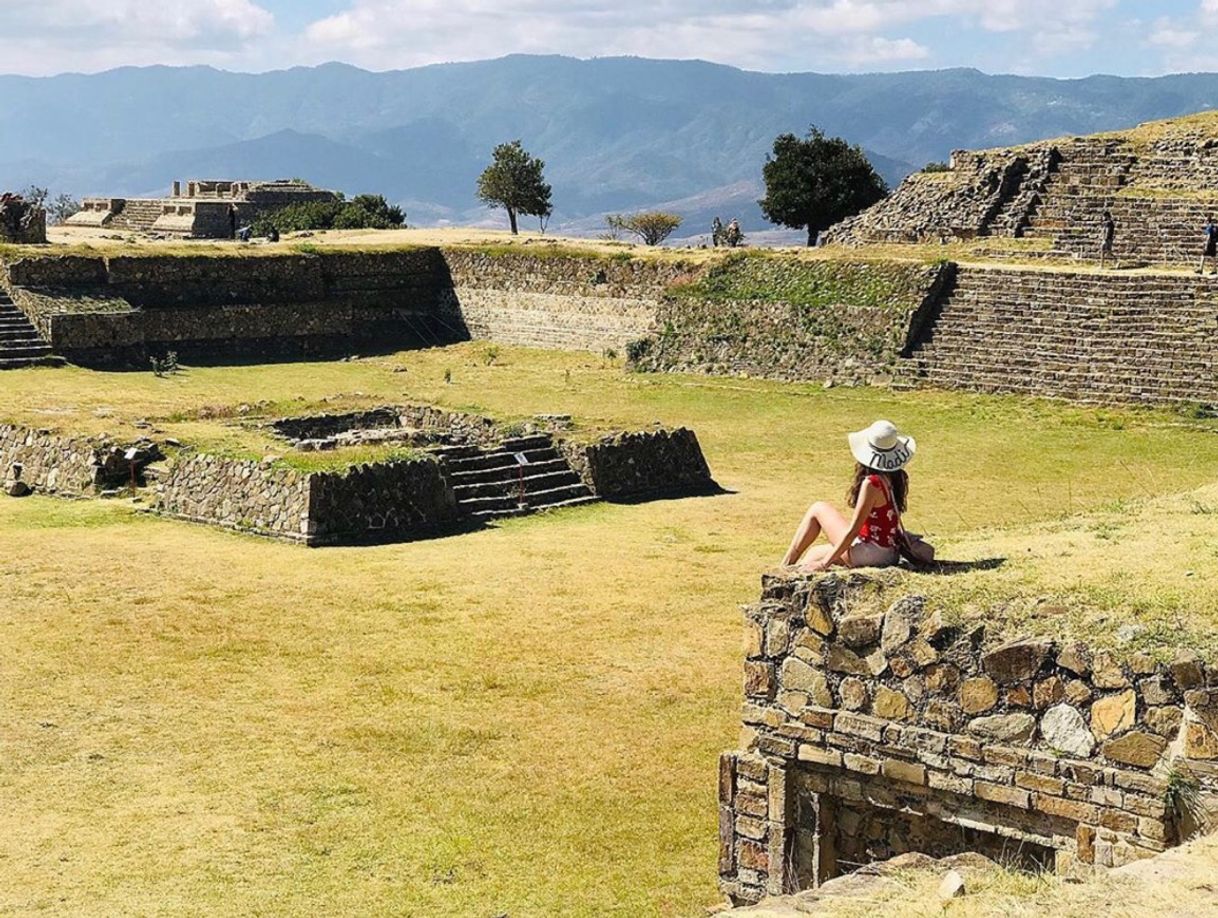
(51, 35)
(755, 33)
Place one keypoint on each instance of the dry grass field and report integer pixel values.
(519, 721)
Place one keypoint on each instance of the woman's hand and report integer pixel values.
(815, 567)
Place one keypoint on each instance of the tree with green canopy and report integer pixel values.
(815, 182)
(516, 182)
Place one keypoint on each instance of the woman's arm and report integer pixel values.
(869, 496)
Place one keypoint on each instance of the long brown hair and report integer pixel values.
(898, 481)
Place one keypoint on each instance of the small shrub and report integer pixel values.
(651, 226)
(166, 366)
(490, 354)
(448, 377)
(936, 167)
(637, 349)
(610, 353)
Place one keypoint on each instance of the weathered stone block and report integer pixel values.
(999, 793)
(798, 676)
(753, 636)
(978, 695)
(861, 763)
(1137, 748)
(842, 660)
(1107, 672)
(818, 755)
(727, 778)
(1048, 692)
(748, 827)
(1076, 658)
(1075, 810)
(909, 772)
(859, 631)
(777, 638)
(1004, 728)
(890, 705)
(1043, 784)
(753, 856)
(854, 693)
(952, 783)
(1063, 727)
(1187, 670)
(1113, 714)
(1164, 721)
(759, 680)
(1016, 661)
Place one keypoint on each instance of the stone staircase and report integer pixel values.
(20, 343)
(494, 483)
(137, 215)
(1084, 335)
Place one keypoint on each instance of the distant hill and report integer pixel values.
(617, 133)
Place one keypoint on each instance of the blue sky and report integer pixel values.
(1065, 38)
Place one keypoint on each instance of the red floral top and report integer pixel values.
(880, 527)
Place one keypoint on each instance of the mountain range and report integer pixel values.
(616, 133)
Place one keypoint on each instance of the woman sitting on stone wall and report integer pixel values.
(875, 536)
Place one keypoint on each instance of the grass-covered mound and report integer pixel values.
(792, 317)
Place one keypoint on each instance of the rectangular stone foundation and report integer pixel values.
(870, 734)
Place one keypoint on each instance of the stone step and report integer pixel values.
(18, 363)
(536, 508)
(495, 461)
(485, 506)
(479, 476)
(511, 486)
(11, 351)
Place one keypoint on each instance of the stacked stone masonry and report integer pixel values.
(653, 462)
(1146, 338)
(472, 470)
(52, 463)
(858, 719)
(1159, 190)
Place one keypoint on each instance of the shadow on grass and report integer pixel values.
(713, 490)
(947, 568)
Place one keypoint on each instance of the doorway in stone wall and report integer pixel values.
(833, 837)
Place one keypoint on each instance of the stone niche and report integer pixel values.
(872, 729)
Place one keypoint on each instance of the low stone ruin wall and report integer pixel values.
(794, 318)
(471, 428)
(872, 731)
(388, 501)
(393, 500)
(659, 462)
(120, 310)
(588, 303)
(50, 463)
(240, 494)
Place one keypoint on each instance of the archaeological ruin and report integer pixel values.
(442, 471)
(874, 727)
(199, 209)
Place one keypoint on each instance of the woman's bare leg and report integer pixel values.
(821, 517)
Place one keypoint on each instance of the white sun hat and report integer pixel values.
(882, 447)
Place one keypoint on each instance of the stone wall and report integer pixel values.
(1111, 337)
(392, 500)
(65, 466)
(241, 494)
(1157, 181)
(120, 310)
(571, 302)
(794, 318)
(659, 462)
(388, 501)
(860, 711)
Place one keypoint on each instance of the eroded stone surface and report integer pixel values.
(1064, 728)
